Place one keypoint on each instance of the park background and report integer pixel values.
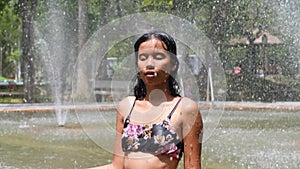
(260, 37)
(256, 41)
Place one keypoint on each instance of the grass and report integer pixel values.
(11, 100)
(3, 79)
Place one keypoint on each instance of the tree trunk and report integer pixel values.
(82, 87)
(104, 13)
(1, 61)
(28, 9)
(83, 22)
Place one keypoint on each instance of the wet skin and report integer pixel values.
(154, 65)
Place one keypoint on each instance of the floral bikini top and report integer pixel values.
(160, 138)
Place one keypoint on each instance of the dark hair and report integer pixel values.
(140, 87)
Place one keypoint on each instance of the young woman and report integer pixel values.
(157, 127)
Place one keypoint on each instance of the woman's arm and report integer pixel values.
(118, 156)
(192, 133)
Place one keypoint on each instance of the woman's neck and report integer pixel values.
(158, 95)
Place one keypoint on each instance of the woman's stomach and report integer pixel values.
(142, 160)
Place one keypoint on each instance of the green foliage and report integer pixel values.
(251, 88)
(15, 56)
(156, 5)
(9, 27)
(3, 4)
(10, 37)
(221, 20)
(122, 49)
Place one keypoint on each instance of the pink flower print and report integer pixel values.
(169, 138)
(138, 129)
(133, 130)
(160, 150)
(175, 154)
(129, 131)
(171, 148)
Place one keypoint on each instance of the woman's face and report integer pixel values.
(154, 62)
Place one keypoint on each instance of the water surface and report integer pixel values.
(243, 139)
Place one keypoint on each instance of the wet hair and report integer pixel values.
(170, 46)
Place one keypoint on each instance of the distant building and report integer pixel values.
(111, 63)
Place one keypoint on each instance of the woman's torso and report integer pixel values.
(153, 115)
(141, 160)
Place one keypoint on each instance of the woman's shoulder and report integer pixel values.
(189, 105)
(190, 112)
(125, 105)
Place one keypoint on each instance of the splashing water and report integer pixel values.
(56, 44)
(61, 117)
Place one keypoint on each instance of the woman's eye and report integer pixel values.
(143, 57)
(159, 56)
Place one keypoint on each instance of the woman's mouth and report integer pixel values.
(150, 74)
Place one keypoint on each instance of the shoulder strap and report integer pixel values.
(128, 117)
(174, 108)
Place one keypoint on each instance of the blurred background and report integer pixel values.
(257, 42)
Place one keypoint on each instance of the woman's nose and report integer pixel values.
(149, 67)
(150, 64)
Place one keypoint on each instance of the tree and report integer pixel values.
(104, 19)
(82, 81)
(9, 39)
(27, 12)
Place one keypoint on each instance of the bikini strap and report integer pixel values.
(128, 117)
(174, 108)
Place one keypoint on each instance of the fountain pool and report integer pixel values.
(243, 139)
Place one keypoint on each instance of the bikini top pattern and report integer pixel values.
(160, 138)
